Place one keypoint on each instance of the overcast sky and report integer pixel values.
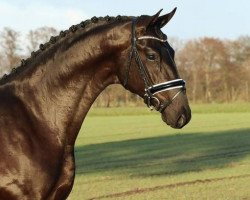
(194, 18)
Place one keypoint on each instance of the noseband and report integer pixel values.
(150, 88)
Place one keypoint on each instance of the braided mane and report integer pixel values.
(84, 26)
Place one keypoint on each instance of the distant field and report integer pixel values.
(130, 154)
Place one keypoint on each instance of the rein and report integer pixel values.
(150, 88)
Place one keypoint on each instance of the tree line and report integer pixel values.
(215, 70)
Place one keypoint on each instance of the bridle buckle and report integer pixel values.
(148, 99)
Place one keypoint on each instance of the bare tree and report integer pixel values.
(39, 36)
(188, 61)
(3, 69)
(202, 61)
(10, 45)
(238, 55)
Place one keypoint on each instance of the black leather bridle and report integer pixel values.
(150, 88)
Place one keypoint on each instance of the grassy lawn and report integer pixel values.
(129, 153)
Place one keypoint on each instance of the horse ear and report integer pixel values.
(163, 20)
(153, 19)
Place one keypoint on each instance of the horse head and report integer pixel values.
(149, 70)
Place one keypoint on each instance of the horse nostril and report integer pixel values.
(181, 121)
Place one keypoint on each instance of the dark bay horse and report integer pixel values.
(44, 101)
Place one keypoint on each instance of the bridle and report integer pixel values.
(150, 88)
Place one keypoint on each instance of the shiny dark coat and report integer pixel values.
(44, 102)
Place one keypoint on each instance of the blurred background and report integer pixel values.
(211, 40)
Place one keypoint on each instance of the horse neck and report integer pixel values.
(62, 91)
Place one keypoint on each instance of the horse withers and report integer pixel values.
(44, 101)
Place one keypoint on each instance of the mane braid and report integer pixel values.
(84, 25)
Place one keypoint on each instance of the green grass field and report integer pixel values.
(129, 153)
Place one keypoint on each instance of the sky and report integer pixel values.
(226, 19)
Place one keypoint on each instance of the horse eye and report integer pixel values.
(151, 57)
